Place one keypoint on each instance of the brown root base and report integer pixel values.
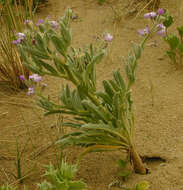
(137, 162)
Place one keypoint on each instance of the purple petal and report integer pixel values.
(160, 26)
(141, 32)
(35, 77)
(38, 79)
(161, 11)
(22, 77)
(146, 30)
(153, 14)
(18, 41)
(40, 21)
(75, 17)
(44, 84)
(21, 35)
(54, 24)
(30, 91)
(108, 37)
(147, 15)
(161, 32)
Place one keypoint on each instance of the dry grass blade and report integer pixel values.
(11, 68)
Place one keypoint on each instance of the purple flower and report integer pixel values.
(35, 77)
(150, 15)
(108, 37)
(161, 11)
(21, 36)
(18, 41)
(75, 17)
(54, 24)
(44, 84)
(40, 21)
(162, 32)
(22, 77)
(30, 91)
(153, 14)
(143, 32)
(160, 26)
(147, 15)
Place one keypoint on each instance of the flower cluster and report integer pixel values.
(161, 29)
(53, 24)
(20, 38)
(39, 22)
(34, 79)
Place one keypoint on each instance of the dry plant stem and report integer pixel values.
(137, 162)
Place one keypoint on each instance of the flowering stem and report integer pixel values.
(151, 31)
(148, 35)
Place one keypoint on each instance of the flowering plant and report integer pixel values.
(175, 42)
(61, 178)
(104, 120)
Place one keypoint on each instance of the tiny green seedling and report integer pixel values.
(124, 172)
(101, 1)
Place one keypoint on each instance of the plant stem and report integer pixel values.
(137, 162)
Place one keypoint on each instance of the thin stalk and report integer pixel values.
(18, 163)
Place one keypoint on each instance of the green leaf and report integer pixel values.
(105, 97)
(41, 28)
(144, 185)
(121, 163)
(49, 68)
(39, 43)
(138, 51)
(61, 112)
(37, 53)
(59, 45)
(172, 40)
(172, 56)
(98, 57)
(125, 173)
(180, 30)
(91, 107)
(180, 48)
(77, 185)
(168, 21)
(38, 62)
(66, 34)
(89, 69)
(23, 53)
(119, 79)
(108, 88)
(32, 68)
(59, 65)
(114, 85)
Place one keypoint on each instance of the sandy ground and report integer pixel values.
(157, 94)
